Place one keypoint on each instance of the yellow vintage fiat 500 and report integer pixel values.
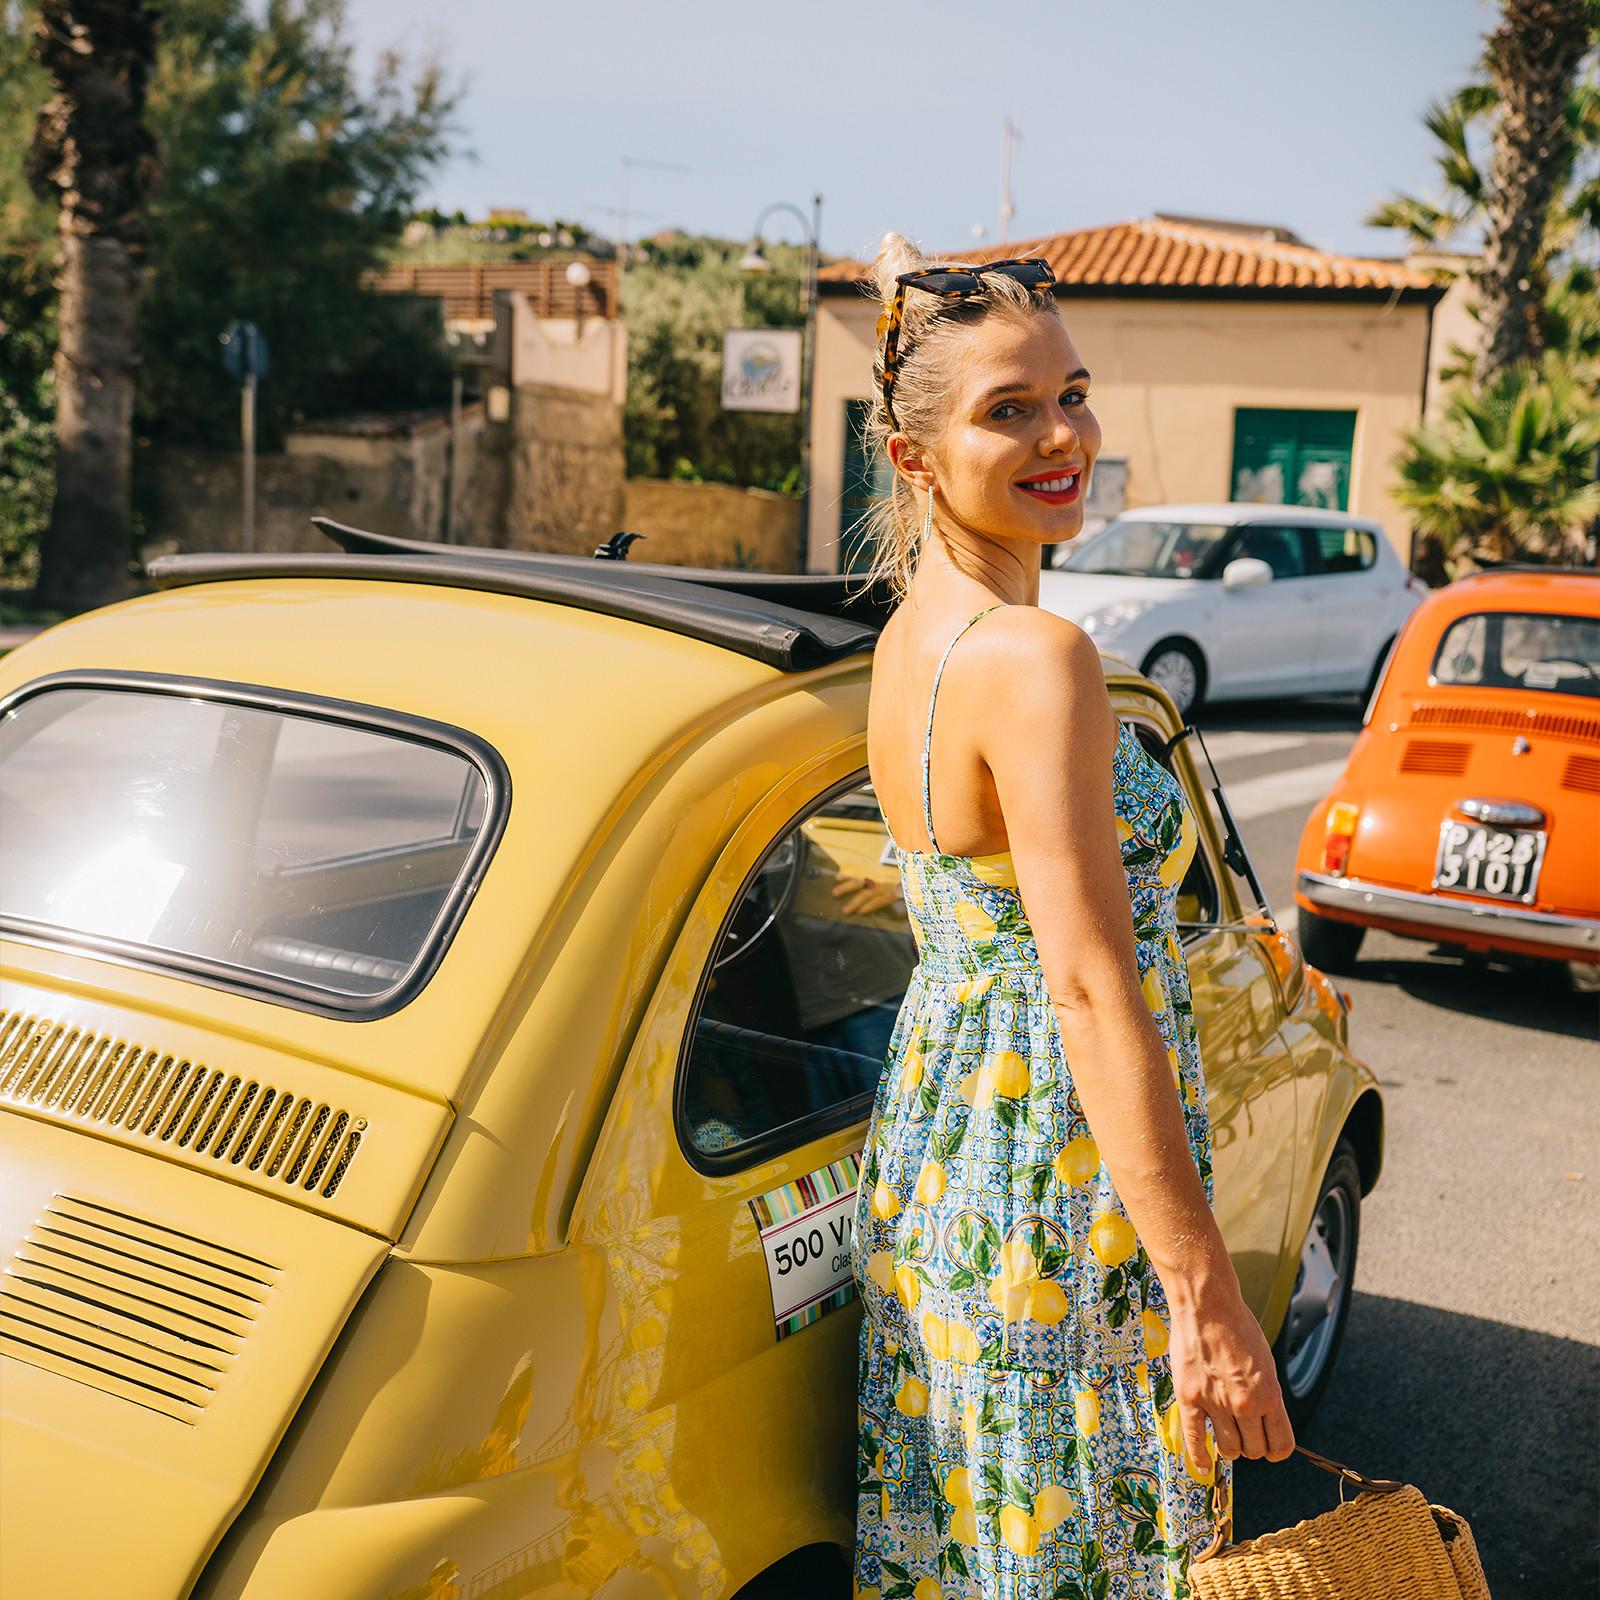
(443, 992)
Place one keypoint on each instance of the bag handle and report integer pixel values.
(1223, 1522)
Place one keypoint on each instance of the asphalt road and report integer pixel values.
(1470, 1364)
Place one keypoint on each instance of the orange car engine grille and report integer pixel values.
(1553, 724)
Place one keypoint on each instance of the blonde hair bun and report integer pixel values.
(896, 254)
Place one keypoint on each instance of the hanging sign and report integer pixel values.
(761, 369)
(806, 1229)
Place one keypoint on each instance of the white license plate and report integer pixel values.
(1501, 863)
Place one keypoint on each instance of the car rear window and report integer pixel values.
(252, 841)
(1544, 651)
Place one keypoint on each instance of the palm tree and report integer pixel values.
(1533, 59)
(92, 155)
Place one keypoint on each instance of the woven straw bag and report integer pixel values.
(1388, 1543)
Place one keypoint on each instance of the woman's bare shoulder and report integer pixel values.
(1034, 655)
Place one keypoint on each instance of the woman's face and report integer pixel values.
(1014, 457)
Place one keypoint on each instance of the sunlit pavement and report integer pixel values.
(1469, 1364)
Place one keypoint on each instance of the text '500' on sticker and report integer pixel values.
(806, 1229)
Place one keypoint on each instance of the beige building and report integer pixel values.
(1230, 362)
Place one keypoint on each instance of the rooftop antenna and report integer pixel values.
(1007, 209)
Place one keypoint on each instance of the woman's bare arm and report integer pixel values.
(1048, 738)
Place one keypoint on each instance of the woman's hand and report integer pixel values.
(1222, 1370)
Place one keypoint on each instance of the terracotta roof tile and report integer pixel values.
(1161, 252)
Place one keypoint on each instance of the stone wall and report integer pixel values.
(564, 471)
(388, 474)
(712, 525)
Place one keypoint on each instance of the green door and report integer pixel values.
(1292, 458)
(864, 486)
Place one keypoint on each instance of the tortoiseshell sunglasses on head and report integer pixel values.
(949, 283)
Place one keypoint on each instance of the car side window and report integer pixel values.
(802, 990)
(1198, 901)
(1280, 548)
(1335, 550)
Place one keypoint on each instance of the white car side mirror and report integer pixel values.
(1246, 572)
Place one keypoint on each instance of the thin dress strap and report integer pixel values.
(927, 737)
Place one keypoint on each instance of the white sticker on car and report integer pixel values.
(806, 1229)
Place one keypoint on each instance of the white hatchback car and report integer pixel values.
(1233, 601)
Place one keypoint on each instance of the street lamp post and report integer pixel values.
(754, 261)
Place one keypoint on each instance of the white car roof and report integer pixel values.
(1233, 512)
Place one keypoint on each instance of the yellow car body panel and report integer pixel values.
(527, 1348)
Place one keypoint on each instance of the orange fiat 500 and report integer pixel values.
(1469, 810)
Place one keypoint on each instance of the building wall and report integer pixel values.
(1168, 376)
(390, 482)
(712, 525)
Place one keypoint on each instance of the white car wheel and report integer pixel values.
(1175, 668)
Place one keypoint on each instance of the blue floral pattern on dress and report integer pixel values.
(1018, 1432)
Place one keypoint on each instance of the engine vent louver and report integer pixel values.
(1442, 757)
(130, 1306)
(1553, 724)
(75, 1076)
(1582, 773)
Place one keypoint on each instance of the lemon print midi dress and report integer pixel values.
(1018, 1435)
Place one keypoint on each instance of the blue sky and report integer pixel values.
(1305, 114)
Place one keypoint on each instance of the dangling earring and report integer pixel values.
(927, 521)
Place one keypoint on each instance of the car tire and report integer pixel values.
(1331, 945)
(1583, 977)
(1176, 666)
(1307, 1347)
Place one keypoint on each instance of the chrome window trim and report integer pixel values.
(488, 762)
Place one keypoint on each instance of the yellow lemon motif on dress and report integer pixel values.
(1112, 1238)
(963, 1344)
(931, 1183)
(885, 1202)
(999, 870)
(912, 1397)
(907, 1286)
(1078, 1160)
(1155, 1335)
(1053, 1505)
(1086, 1411)
(1005, 1073)
(927, 1589)
(1155, 994)
(1175, 865)
(1047, 1302)
(1019, 1271)
(974, 921)
(1019, 1530)
(880, 1268)
(1012, 1076)
(936, 1336)
(911, 1073)
(964, 1520)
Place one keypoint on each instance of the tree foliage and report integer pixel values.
(27, 312)
(1507, 471)
(284, 180)
(678, 301)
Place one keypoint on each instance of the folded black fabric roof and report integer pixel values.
(753, 614)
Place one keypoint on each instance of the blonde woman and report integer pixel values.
(1057, 1366)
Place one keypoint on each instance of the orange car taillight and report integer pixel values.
(1340, 826)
